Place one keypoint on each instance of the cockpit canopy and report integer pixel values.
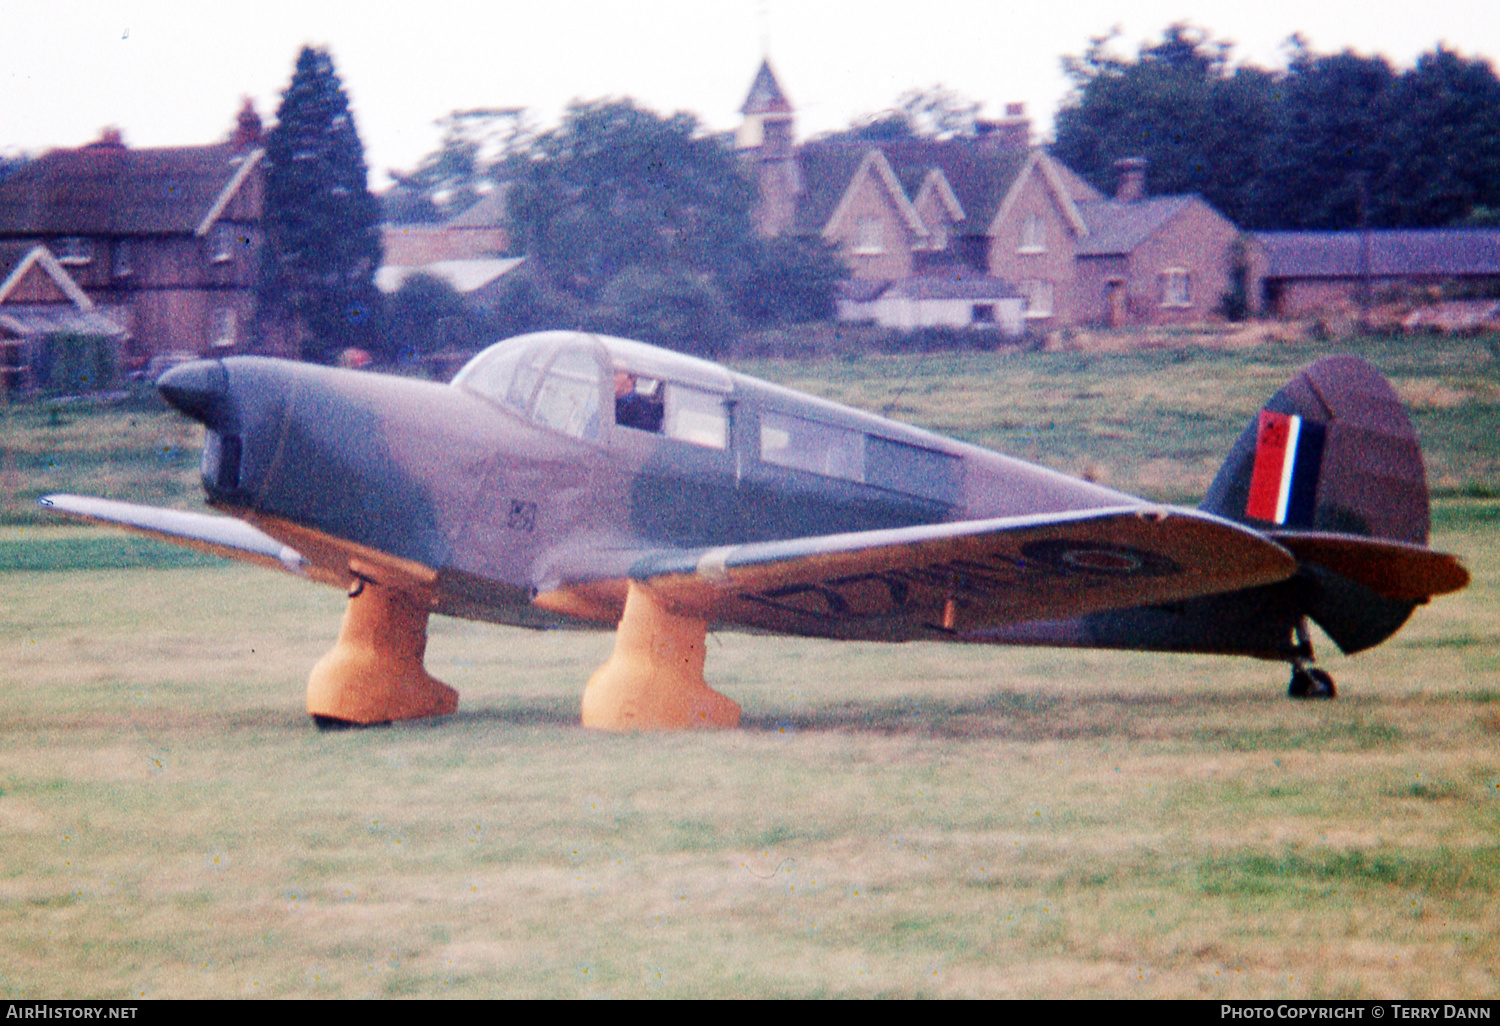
(558, 379)
(585, 385)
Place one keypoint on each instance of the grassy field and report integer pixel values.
(912, 820)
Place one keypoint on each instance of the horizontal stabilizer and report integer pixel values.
(203, 532)
(908, 582)
(1393, 570)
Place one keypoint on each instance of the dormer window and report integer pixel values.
(1033, 234)
(869, 236)
(75, 250)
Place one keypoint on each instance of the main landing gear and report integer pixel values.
(1307, 680)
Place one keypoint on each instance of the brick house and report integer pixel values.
(996, 205)
(165, 239)
(39, 300)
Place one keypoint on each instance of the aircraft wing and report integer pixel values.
(946, 578)
(204, 532)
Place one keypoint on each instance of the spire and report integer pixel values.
(765, 95)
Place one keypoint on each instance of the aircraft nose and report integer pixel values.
(201, 390)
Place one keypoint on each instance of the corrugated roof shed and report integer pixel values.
(1436, 253)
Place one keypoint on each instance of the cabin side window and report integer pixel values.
(695, 416)
(808, 445)
(639, 401)
(912, 470)
(667, 408)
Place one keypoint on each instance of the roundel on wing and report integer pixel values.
(1086, 557)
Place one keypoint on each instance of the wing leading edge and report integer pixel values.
(944, 579)
(203, 532)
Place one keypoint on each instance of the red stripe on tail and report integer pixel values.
(1270, 456)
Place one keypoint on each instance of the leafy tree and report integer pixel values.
(321, 223)
(786, 280)
(669, 306)
(615, 185)
(1327, 141)
(1195, 119)
(1328, 149)
(1446, 130)
(475, 148)
(932, 113)
(424, 315)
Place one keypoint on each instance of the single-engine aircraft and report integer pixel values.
(567, 479)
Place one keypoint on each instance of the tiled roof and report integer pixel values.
(112, 190)
(979, 176)
(1118, 228)
(1400, 253)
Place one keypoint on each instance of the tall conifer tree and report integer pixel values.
(322, 225)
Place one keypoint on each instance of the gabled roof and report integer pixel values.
(109, 189)
(1038, 163)
(1116, 228)
(875, 165)
(936, 183)
(765, 96)
(979, 177)
(1445, 252)
(40, 258)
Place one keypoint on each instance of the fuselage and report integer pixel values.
(566, 449)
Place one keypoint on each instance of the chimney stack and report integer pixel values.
(1132, 179)
(1012, 132)
(110, 138)
(247, 127)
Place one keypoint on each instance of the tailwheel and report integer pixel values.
(1311, 682)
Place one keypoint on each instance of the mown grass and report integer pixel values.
(912, 820)
(903, 821)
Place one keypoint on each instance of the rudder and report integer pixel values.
(1349, 463)
(1333, 456)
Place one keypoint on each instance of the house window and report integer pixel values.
(982, 313)
(1033, 234)
(1038, 297)
(1176, 287)
(74, 250)
(223, 326)
(222, 242)
(124, 262)
(869, 236)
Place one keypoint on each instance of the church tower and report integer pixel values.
(765, 140)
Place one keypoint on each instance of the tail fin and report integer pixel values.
(1331, 469)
